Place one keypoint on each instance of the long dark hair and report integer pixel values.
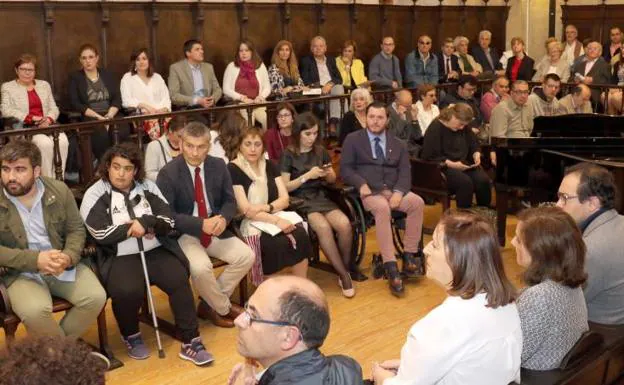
(303, 122)
(254, 54)
(135, 54)
(231, 127)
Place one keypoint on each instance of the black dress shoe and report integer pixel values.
(357, 275)
(394, 279)
(413, 264)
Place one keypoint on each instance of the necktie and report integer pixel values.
(448, 65)
(379, 151)
(202, 211)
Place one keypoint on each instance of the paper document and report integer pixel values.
(313, 92)
(272, 229)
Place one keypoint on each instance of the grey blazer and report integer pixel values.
(181, 83)
(604, 264)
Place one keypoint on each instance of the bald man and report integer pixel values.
(593, 70)
(404, 121)
(576, 102)
(285, 323)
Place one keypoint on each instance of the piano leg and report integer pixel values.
(502, 201)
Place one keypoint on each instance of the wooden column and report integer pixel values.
(464, 16)
(321, 16)
(199, 20)
(353, 12)
(414, 22)
(564, 18)
(48, 14)
(286, 20)
(243, 13)
(105, 19)
(155, 18)
(383, 17)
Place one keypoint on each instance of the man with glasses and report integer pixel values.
(587, 193)
(282, 328)
(385, 70)
(466, 88)
(421, 66)
(498, 93)
(593, 70)
(543, 100)
(513, 117)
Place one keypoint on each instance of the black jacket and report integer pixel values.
(481, 58)
(78, 90)
(454, 67)
(526, 68)
(176, 184)
(310, 367)
(454, 98)
(309, 70)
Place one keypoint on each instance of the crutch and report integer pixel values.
(150, 300)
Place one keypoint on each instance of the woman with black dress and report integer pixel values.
(305, 166)
(355, 118)
(447, 141)
(260, 194)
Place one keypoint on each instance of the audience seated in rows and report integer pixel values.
(448, 63)
(426, 107)
(474, 336)
(552, 308)
(261, 195)
(350, 67)
(284, 70)
(421, 65)
(573, 48)
(192, 82)
(198, 188)
(614, 45)
(578, 101)
(126, 215)
(284, 325)
(42, 245)
(403, 122)
(513, 117)
(30, 102)
(246, 81)
(145, 91)
(543, 100)
(587, 193)
(305, 166)
(377, 165)
(519, 66)
(553, 62)
(467, 63)
(487, 56)
(449, 141)
(496, 94)
(384, 70)
(52, 360)
(593, 70)
(278, 138)
(466, 88)
(161, 151)
(355, 119)
(94, 93)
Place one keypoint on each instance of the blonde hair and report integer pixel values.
(288, 67)
(551, 40)
(517, 39)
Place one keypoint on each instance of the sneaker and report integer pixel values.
(136, 347)
(196, 352)
(101, 359)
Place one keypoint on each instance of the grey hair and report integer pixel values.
(360, 92)
(460, 39)
(486, 33)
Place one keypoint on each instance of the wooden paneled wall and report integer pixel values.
(55, 31)
(593, 21)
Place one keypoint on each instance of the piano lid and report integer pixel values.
(578, 126)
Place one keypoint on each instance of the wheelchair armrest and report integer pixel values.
(294, 203)
(428, 175)
(5, 302)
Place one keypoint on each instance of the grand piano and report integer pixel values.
(536, 165)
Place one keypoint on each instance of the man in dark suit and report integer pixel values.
(199, 190)
(487, 56)
(593, 70)
(448, 65)
(614, 45)
(376, 163)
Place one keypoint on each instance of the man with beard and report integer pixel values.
(41, 239)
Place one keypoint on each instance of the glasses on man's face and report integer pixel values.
(424, 42)
(247, 320)
(284, 116)
(564, 198)
(26, 70)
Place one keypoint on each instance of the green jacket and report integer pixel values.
(62, 219)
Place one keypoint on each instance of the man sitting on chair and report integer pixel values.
(199, 189)
(41, 240)
(377, 164)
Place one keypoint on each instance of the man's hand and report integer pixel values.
(206, 102)
(327, 88)
(214, 225)
(49, 262)
(64, 259)
(453, 75)
(365, 191)
(395, 200)
(136, 229)
(395, 84)
(242, 374)
(493, 158)
(588, 80)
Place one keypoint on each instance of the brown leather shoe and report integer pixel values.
(204, 311)
(235, 311)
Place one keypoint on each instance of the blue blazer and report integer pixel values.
(481, 58)
(309, 70)
(175, 182)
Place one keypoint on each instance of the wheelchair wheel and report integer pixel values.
(359, 230)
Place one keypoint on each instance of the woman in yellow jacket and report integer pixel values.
(351, 69)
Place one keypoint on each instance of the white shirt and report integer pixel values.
(135, 91)
(426, 117)
(569, 51)
(589, 65)
(462, 342)
(216, 149)
(203, 176)
(323, 71)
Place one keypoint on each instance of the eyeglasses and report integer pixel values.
(284, 116)
(521, 92)
(27, 70)
(563, 197)
(247, 320)
(424, 42)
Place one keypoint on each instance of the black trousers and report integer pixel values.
(102, 139)
(126, 287)
(465, 183)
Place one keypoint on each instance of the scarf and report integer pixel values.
(248, 71)
(467, 65)
(258, 192)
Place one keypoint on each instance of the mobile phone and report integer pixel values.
(327, 165)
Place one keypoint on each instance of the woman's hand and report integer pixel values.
(254, 209)
(315, 173)
(245, 99)
(285, 225)
(456, 165)
(259, 99)
(286, 90)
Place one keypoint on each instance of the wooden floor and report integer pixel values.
(370, 327)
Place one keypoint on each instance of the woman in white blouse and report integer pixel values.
(552, 62)
(427, 110)
(144, 89)
(246, 80)
(474, 336)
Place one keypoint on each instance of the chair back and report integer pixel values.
(590, 342)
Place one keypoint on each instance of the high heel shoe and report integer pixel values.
(349, 293)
